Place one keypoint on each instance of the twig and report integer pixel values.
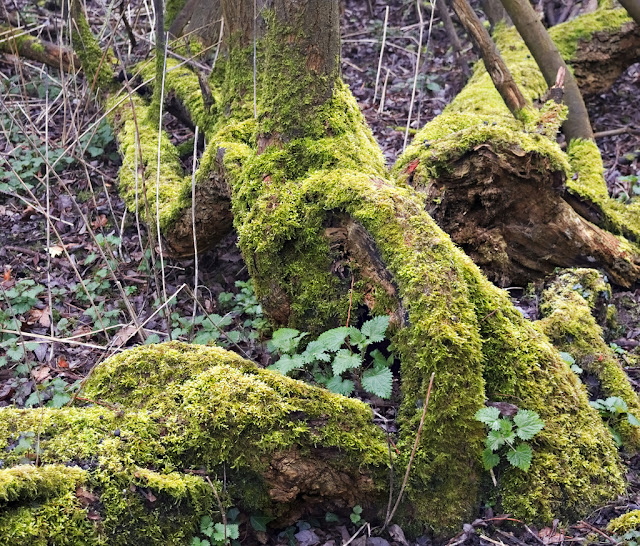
(350, 302)
(413, 452)
(193, 222)
(384, 39)
(415, 75)
(596, 530)
(222, 512)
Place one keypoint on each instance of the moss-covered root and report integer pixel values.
(55, 505)
(121, 474)
(567, 306)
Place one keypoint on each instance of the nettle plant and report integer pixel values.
(338, 358)
(508, 436)
(613, 410)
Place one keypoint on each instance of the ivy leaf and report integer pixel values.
(340, 386)
(344, 361)
(259, 523)
(287, 364)
(489, 459)
(333, 339)
(521, 456)
(528, 424)
(378, 382)
(489, 416)
(375, 328)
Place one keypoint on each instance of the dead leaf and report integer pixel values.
(86, 497)
(99, 222)
(149, 496)
(41, 316)
(40, 374)
(55, 251)
(62, 362)
(551, 536)
(123, 335)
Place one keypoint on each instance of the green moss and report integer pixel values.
(97, 65)
(625, 523)
(171, 10)
(183, 407)
(567, 306)
(130, 118)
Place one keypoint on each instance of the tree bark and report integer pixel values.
(544, 51)
(493, 62)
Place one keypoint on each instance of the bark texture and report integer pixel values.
(546, 54)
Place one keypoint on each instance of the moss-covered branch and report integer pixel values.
(135, 475)
(474, 162)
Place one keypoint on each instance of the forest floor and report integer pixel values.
(62, 311)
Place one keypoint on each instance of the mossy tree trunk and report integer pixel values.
(316, 212)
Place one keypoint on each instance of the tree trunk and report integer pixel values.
(317, 213)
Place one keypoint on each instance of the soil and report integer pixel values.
(90, 321)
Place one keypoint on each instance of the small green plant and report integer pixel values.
(613, 410)
(630, 538)
(506, 434)
(218, 533)
(335, 353)
(245, 303)
(53, 393)
(572, 363)
(356, 515)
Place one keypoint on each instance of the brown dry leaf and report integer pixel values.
(149, 496)
(55, 251)
(99, 222)
(551, 536)
(40, 374)
(62, 362)
(93, 515)
(86, 497)
(41, 316)
(124, 334)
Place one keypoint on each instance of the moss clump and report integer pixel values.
(625, 523)
(97, 65)
(567, 306)
(139, 175)
(183, 407)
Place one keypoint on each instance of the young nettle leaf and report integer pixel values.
(286, 340)
(521, 456)
(287, 364)
(379, 361)
(496, 439)
(378, 381)
(344, 361)
(489, 416)
(567, 358)
(489, 459)
(528, 424)
(232, 532)
(340, 386)
(633, 420)
(356, 337)
(615, 404)
(375, 328)
(333, 339)
(316, 351)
